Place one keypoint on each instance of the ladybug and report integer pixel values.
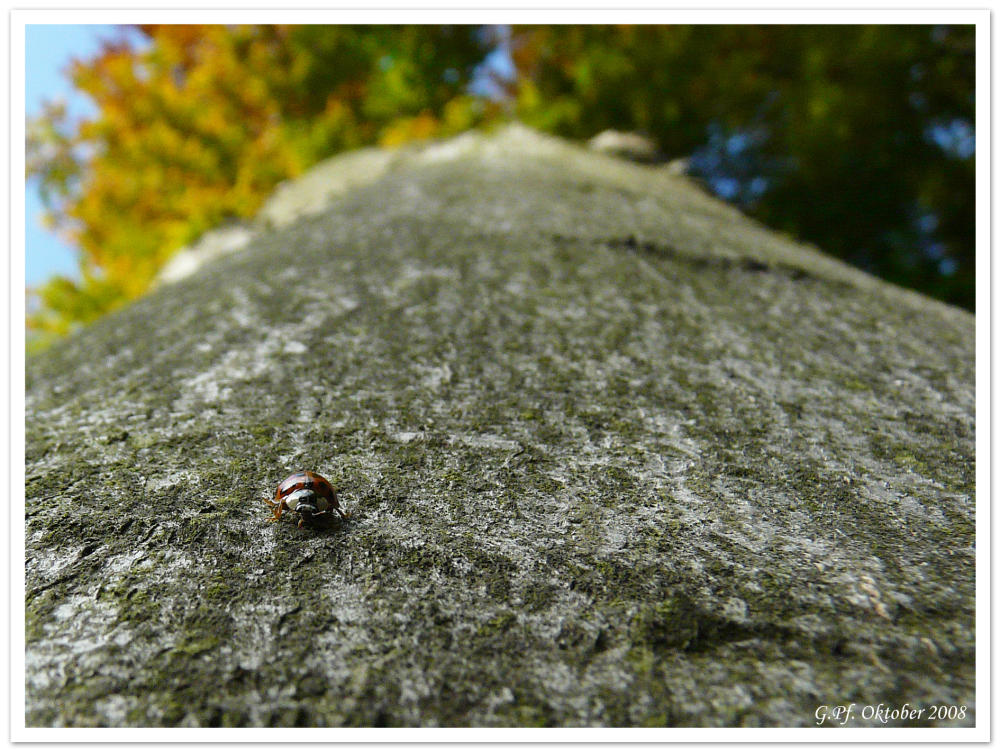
(306, 493)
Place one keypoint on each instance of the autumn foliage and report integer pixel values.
(198, 126)
(857, 138)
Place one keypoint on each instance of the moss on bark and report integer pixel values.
(615, 455)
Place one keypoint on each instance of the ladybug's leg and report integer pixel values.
(336, 506)
(278, 507)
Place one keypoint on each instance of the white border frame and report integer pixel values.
(559, 12)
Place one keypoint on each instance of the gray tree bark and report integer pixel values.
(615, 455)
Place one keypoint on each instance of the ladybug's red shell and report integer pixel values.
(307, 493)
(307, 480)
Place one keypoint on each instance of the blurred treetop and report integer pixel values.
(857, 138)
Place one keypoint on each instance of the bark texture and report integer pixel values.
(615, 455)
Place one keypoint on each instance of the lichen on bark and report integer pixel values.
(615, 455)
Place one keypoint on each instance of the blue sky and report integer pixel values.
(48, 52)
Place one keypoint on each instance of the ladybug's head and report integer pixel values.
(303, 502)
